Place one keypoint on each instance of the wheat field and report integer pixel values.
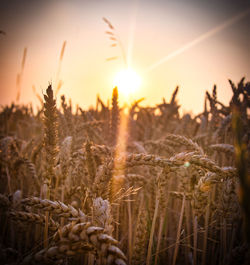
(79, 187)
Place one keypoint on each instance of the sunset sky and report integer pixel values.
(193, 44)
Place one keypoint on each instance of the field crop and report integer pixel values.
(101, 186)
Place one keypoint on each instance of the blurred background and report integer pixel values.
(193, 44)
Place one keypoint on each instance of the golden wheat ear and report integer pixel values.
(115, 117)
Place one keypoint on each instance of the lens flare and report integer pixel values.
(199, 39)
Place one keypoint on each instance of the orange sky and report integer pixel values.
(149, 30)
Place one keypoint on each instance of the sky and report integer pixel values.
(192, 44)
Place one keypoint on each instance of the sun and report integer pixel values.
(127, 81)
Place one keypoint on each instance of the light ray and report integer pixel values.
(201, 38)
(131, 36)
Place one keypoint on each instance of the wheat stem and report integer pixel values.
(179, 231)
(148, 261)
